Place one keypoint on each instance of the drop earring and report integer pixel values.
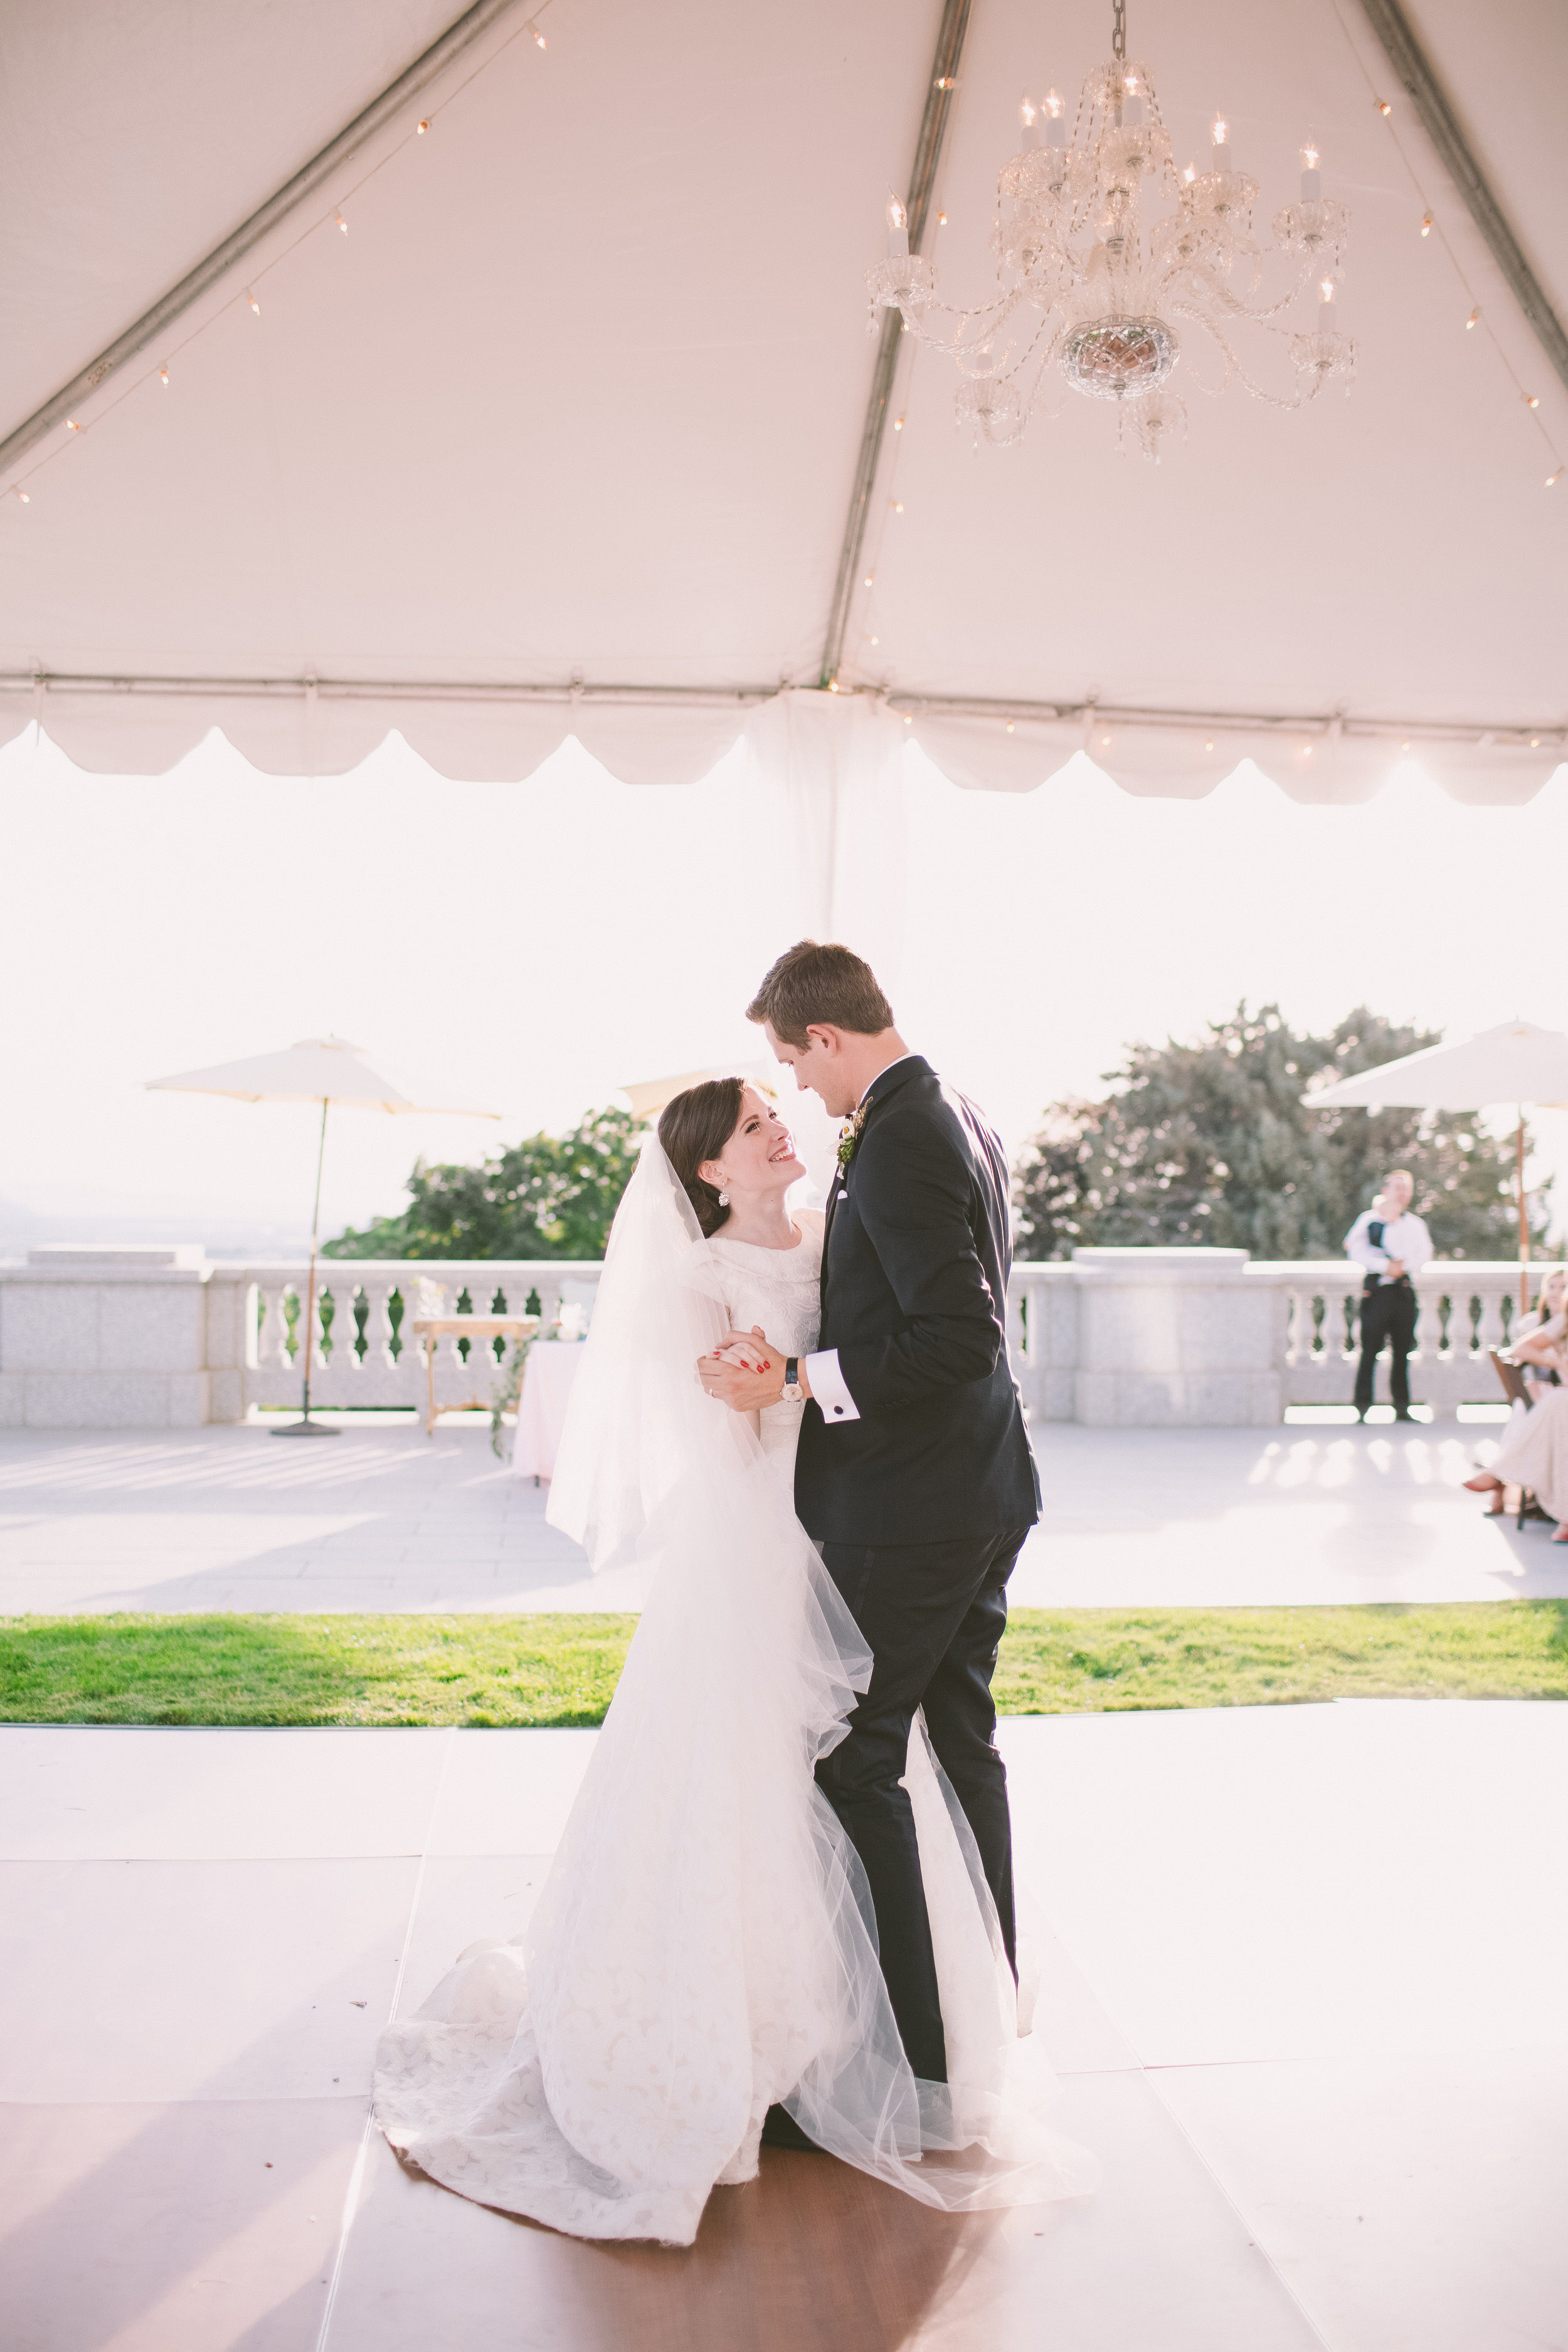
(724, 1200)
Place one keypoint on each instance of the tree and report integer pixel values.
(1212, 1143)
(549, 1196)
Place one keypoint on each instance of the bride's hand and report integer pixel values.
(744, 1351)
(741, 1374)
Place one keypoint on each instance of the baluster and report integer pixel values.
(272, 1342)
(1493, 1330)
(1297, 1319)
(549, 1291)
(1428, 1321)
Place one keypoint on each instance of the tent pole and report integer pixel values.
(307, 1427)
(1523, 1216)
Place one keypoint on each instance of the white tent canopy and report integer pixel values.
(559, 437)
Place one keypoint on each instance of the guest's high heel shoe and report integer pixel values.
(1483, 1483)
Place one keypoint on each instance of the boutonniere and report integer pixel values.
(849, 1140)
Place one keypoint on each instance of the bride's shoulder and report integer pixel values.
(812, 1224)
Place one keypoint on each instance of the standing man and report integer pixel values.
(1390, 1244)
(914, 1472)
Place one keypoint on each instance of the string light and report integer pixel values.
(1535, 742)
(868, 579)
(1009, 727)
(1430, 224)
(898, 506)
(942, 220)
(898, 424)
(1209, 744)
(74, 424)
(875, 641)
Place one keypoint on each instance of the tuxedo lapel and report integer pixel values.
(912, 1066)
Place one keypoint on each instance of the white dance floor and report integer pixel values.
(1303, 1985)
(382, 1518)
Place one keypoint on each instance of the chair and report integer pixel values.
(1517, 1391)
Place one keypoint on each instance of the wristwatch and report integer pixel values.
(792, 1391)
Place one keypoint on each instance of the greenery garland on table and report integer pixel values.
(506, 1388)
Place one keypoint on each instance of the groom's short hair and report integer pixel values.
(827, 987)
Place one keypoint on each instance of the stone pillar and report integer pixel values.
(105, 1336)
(1176, 1338)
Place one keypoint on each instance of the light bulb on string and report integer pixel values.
(421, 126)
(1384, 107)
(1474, 320)
(1426, 224)
(898, 424)
(942, 220)
(26, 497)
(255, 305)
(343, 223)
(1552, 479)
(163, 377)
(1530, 401)
(538, 36)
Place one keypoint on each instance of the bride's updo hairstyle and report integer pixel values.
(696, 1127)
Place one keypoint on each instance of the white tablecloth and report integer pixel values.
(547, 1379)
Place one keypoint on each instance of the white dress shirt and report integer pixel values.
(1405, 1237)
(828, 1385)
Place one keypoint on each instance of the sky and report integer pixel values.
(530, 948)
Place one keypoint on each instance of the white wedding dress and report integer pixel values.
(704, 1944)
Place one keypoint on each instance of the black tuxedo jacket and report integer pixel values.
(914, 1298)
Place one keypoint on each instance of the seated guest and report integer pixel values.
(1390, 1244)
(1534, 1453)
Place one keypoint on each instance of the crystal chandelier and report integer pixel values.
(1085, 292)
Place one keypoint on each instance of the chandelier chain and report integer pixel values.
(1118, 30)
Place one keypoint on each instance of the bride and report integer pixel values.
(704, 1945)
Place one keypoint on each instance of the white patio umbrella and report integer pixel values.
(318, 1069)
(1515, 1063)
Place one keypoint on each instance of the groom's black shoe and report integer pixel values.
(780, 2129)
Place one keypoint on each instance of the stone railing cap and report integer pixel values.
(149, 1255)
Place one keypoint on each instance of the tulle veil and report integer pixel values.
(704, 1944)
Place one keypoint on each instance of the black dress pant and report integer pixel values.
(934, 1615)
(1386, 1313)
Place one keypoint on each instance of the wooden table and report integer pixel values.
(428, 1328)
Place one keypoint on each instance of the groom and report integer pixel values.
(914, 1472)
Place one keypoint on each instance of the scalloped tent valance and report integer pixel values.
(545, 420)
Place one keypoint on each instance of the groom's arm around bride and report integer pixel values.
(914, 1471)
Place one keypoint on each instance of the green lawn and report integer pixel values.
(524, 1669)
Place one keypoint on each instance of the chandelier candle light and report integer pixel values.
(1088, 293)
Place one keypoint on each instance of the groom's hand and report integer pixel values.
(745, 1371)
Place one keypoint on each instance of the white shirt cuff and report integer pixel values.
(827, 1386)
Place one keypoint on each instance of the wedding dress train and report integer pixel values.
(704, 1943)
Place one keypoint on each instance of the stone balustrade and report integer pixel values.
(133, 1337)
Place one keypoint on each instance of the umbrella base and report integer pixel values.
(305, 1429)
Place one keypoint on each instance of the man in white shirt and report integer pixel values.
(1392, 1244)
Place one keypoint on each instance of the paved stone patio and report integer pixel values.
(382, 1518)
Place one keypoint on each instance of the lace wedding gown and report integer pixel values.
(704, 1943)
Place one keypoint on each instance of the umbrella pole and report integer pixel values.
(307, 1427)
(1523, 1216)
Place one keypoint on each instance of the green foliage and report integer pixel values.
(1212, 1143)
(517, 1670)
(549, 1196)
